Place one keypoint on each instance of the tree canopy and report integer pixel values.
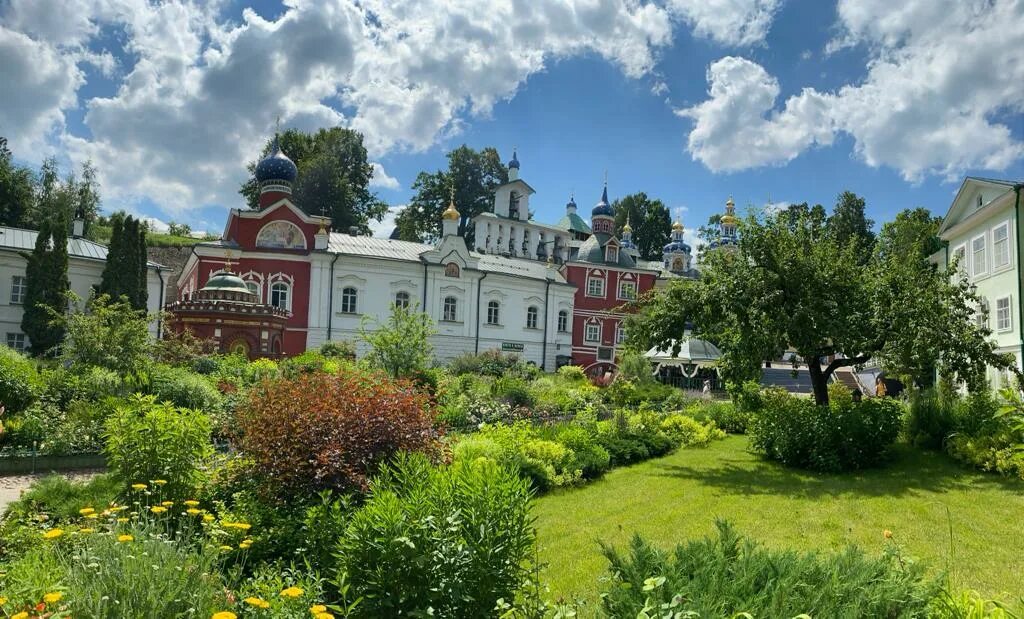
(46, 281)
(333, 177)
(797, 278)
(124, 274)
(27, 198)
(650, 220)
(473, 174)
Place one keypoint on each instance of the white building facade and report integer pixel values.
(981, 235)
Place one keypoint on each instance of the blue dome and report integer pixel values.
(676, 246)
(276, 166)
(602, 208)
(514, 163)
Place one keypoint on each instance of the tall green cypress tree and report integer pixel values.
(141, 293)
(125, 271)
(47, 285)
(110, 281)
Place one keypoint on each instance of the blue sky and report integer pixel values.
(690, 101)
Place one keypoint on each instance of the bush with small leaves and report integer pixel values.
(19, 381)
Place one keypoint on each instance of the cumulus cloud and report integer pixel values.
(381, 178)
(382, 229)
(199, 94)
(730, 22)
(935, 86)
(736, 128)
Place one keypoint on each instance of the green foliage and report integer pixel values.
(491, 363)
(519, 447)
(725, 415)
(572, 373)
(728, 575)
(19, 382)
(47, 284)
(445, 541)
(124, 275)
(146, 440)
(61, 498)
(514, 391)
(650, 220)
(16, 190)
(930, 419)
(635, 368)
(688, 432)
(108, 334)
(401, 346)
(841, 436)
(184, 389)
(338, 350)
(589, 457)
(333, 176)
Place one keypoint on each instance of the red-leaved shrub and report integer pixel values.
(320, 431)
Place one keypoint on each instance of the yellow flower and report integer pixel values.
(119, 508)
(323, 616)
(125, 538)
(3, 601)
(245, 545)
(167, 503)
(139, 486)
(92, 516)
(160, 482)
(191, 503)
(317, 608)
(53, 598)
(226, 548)
(158, 509)
(21, 615)
(122, 520)
(887, 533)
(85, 511)
(84, 530)
(257, 602)
(292, 592)
(193, 511)
(224, 614)
(207, 518)
(53, 533)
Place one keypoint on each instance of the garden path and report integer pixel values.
(11, 486)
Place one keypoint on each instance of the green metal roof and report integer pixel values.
(574, 223)
(226, 282)
(593, 251)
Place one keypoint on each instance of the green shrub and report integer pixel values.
(184, 389)
(514, 391)
(206, 365)
(146, 441)
(336, 350)
(996, 453)
(492, 363)
(61, 498)
(746, 396)
(309, 362)
(19, 381)
(842, 436)
(929, 420)
(725, 415)
(623, 449)
(518, 447)
(688, 432)
(438, 541)
(572, 373)
(590, 458)
(725, 575)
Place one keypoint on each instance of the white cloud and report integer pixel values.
(156, 225)
(730, 22)
(382, 229)
(939, 76)
(736, 128)
(200, 94)
(381, 178)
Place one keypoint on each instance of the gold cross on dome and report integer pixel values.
(227, 261)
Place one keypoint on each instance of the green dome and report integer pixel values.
(225, 285)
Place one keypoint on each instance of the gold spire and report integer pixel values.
(227, 262)
(677, 226)
(451, 212)
(627, 227)
(729, 202)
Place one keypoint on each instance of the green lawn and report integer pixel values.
(920, 497)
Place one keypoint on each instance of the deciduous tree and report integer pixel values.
(650, 220)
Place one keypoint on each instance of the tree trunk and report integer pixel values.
(819, 381)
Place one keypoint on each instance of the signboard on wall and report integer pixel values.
(511, 347)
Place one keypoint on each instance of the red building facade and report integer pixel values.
(607, 274)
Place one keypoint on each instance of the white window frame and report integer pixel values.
(495, 307)
(964, 266)
(974, 255)
(454, 317)
(532, 314)
(349, 300)
(563, 321)
(980, 319)
(611, 254)
(587, 331)
(1004, 323)
(1005, 243)
(17, 341)
(608, 354)
(19, 285)
(591, 279)
(255, 288)
(287, 295)
(620, 333)
(403, 299)
(630, 284)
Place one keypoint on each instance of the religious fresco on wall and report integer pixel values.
(281, 235)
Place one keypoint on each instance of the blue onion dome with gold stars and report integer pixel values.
(603, 208)
(514, 162)
(676, 244)
(276, 166)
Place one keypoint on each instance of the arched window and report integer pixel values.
(451, 269)
(280, 295)
(563, 320)
(493, 312)
(254, 287)
(450, 307)
(402, 300)
(531, 317)
(349, 297)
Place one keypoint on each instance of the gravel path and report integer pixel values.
(11, 486)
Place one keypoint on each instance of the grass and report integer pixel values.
(922, 497)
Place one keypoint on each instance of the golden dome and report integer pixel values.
(451, 213)
(728, 220)
(677, 226)
(627, 227)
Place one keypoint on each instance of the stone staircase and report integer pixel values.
(847, 377)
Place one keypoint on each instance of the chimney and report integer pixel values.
(78, 227)
(353, 230)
